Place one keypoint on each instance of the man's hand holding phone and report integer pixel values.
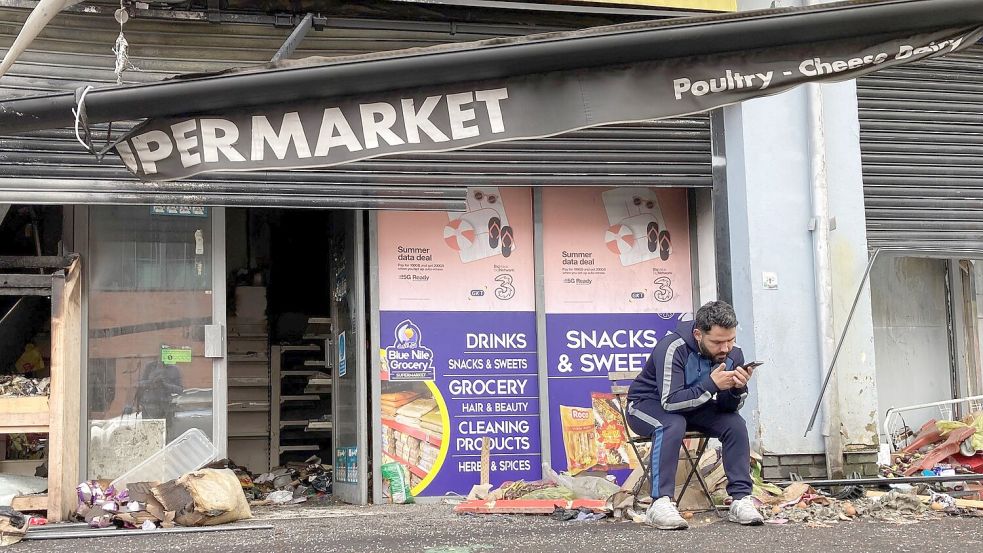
(743, 374)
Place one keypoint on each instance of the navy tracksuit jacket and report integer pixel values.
(673, 394)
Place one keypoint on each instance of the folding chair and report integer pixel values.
(620, 393)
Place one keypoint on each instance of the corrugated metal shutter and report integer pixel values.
(75, 49)
(921, 135)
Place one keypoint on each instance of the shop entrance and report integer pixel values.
(242, 325)
(296, 356)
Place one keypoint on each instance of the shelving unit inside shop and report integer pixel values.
(249, 405)
(302, 424)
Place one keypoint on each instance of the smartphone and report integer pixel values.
(754, 364)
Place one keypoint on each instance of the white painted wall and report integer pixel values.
(768, 195)
(769, 174)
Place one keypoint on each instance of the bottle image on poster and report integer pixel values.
(618, 279)
(458, 359)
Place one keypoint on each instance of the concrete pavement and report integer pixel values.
(436, 529)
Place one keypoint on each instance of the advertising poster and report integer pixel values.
(618, 278)
(458, 342)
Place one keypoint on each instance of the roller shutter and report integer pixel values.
(76, 49)
(921, 136)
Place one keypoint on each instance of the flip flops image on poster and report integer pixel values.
(637, 231)
(483, 230)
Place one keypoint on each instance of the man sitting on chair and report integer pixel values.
(696, 380)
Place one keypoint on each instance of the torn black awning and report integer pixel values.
(455, 96)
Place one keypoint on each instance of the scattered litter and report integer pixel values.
(583, 487)
(280, 497)
(943, 500)
(13, 526)
(21, 386)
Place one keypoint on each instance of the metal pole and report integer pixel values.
(839, 346)
(875, 481)
(57, 534)
(295, 38)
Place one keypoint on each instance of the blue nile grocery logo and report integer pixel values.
(408, 358)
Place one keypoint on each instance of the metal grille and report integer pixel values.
(76, 49)
(921, 136)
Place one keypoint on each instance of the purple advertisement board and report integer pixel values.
(581, 349)
(452, 379)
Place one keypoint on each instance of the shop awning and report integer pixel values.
(322, 112)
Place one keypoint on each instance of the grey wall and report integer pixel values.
(910, 335)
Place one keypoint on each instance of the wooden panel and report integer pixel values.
(35, 262)
(25, 503)
(25, 291)
(24, 415)
(23, 405)
(25, 281)
(21, 468)
(65, 412)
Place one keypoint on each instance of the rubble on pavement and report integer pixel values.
(203, 497)
(218, 493)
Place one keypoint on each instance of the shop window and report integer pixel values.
(101, 383)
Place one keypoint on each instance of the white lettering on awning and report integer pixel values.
(206, 140)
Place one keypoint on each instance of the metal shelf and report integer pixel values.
(285, 349)
(309, 397)
(249, 435)
(248, 407)
(308, 447)
(319, 426)
(298, 373)
(249, 382)
(248, 358)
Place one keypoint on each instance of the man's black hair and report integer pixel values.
(715, 313)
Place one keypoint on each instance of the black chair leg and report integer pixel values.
(646, 472)
(695, 471)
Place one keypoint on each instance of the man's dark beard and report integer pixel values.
(705, 353)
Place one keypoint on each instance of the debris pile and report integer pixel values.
(801, 503)
(292, 483)
(562, 496)
(941, 448)
(199, 498)
(21, 386)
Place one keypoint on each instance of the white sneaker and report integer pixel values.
(744, 512)
(663, 515)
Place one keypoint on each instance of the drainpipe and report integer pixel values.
(820, 227)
